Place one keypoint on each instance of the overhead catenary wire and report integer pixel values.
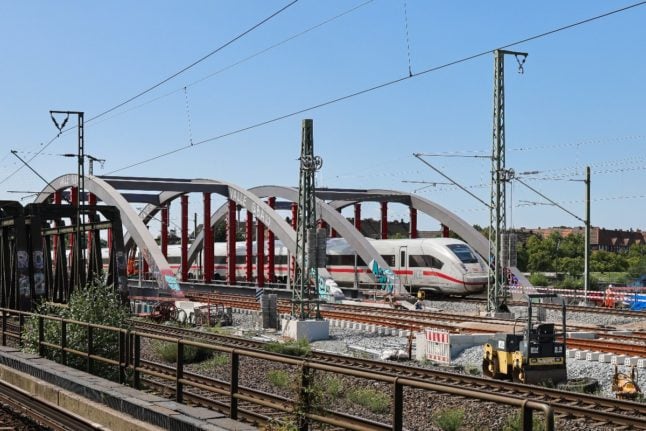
(244, 60)
(257, 53)
(195, 63)
(380, 86)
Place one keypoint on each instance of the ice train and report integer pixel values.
(441, 265)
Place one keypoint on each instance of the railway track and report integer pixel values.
(42, 412)
(620, 413)
(621, 344)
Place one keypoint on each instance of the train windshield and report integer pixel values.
(463, 252)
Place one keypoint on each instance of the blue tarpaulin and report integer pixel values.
(638, 302)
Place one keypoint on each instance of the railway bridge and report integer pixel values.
(261, 203)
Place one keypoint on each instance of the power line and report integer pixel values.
(244, 60)
(32, 158)
(380, 86)
(250, 57)
(577, 144)
(196, 62)
(174, 75)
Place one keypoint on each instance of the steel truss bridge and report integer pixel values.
(261, 203)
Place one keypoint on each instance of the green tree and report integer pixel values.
(571, 246)
(542, 253)
(636, 260)
(605, 261)
(572, 266)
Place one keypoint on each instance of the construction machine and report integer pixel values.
(625, 386)
(535, 356)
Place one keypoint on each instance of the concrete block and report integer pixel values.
(571, 353)
(629, 361)
(592, 356)
(641, 363)
(420, 346)
(311, 330)
(618, 359)
(583, 335)
(47, 392)
(606, 357)
(580, 354)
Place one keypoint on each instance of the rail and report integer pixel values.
(129, 359)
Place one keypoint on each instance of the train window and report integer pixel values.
(343, 260)
(389, 258)
(174, 259)
(436, 263)
(463, 252)
(219, 260)
(424, 261)
(280, 259)
(402, 258)
(241, 259)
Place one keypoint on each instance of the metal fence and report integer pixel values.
(132, 370)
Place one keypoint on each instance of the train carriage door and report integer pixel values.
(402, 265)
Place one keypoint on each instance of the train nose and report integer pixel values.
(475, 283)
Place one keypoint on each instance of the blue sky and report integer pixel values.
(579, 103)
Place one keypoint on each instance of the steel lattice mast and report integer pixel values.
(304, 293)
(499, 177)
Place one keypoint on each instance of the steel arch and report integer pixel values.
(363, 247)
(467, 232)
(134, 225)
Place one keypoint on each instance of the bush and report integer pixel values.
(279, 378)
(538, 279)
(449, 419)
(292, 348)
(168, 351)
(372, 399)
(333, 387)
(217, 360)
(96, 303)
(571, 283)
(514, 423)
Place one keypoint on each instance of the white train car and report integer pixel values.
(443, 265)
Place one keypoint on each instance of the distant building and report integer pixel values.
(600, 238)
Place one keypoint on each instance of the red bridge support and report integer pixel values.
(357, 216)
(445, 231)
(413, 223)
(231, 242)
(249, 247)
(260, 253)
(184, 252)
(384, 220)
(208, 239)
(271, 267)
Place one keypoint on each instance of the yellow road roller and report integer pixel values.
(535, 356)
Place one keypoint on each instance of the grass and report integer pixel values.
(168, 352)
(279, 378)
(333, 387)
(292, 348)
(449, 419)
(372, 399)
(513, 423)
(217, 360)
